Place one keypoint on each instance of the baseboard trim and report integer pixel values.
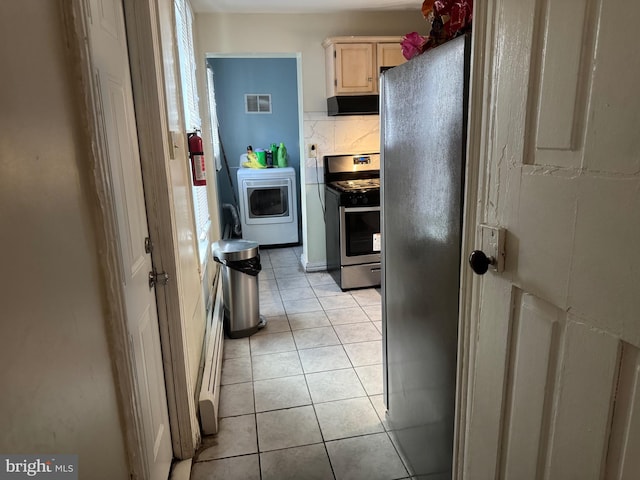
(181, 470)
(210, 389)
(312, 266)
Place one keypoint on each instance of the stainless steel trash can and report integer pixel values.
(240, 267)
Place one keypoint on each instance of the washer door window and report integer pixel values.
(268, 201)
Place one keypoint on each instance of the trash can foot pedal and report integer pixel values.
(263, 322)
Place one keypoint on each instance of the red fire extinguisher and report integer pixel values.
(197, 159)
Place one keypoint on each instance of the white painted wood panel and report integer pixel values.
(545, 241)
(126, 176)
(149, 375)
(560, 171)
(623, 462)
(117, 117)
(564, 46)
(562, 52)
(583, 399)
(535, 341)
(612, 140)
(605, 270)
(489, 377)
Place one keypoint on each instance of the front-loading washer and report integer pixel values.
(268, 205)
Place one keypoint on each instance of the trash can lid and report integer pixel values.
(235, 249)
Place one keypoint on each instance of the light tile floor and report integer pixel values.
(302, 398)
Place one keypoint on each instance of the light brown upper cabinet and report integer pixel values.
(354, 68)
(353, 64)
(389, 55)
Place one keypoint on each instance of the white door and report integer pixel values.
(555, 385)
(111, 69)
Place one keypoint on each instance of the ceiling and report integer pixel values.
(301, 6)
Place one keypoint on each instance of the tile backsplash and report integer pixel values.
(338, 135)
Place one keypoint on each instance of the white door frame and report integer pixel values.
(478, 132)
(143, 37)
(142, 27)
(301, 147)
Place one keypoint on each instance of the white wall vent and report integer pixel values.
(257, 103)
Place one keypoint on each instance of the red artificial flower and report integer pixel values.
(447, 18)
(427, 10)
(456, 14)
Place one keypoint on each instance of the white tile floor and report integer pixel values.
(302, 399)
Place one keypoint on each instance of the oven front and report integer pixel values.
(352, 219)
(353, 244)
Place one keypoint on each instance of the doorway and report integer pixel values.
(234, 80)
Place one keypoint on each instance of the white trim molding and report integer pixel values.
(76, 15)
(142, 23)
(477, 131)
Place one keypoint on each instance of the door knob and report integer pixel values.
(491, 240)
(480, 262)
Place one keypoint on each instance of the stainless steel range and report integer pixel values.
(352, 219)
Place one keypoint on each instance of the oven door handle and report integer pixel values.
(360, 209)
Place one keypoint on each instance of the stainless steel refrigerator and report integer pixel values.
(423, 137)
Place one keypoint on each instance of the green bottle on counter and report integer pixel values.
(282, 155)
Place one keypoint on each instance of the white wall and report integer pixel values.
(58, 392)
(279, 33)
(333, 136)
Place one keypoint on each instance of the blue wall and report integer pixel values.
(235, 77)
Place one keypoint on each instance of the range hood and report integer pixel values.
(353, 105)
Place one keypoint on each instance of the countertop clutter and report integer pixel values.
(275, 156)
